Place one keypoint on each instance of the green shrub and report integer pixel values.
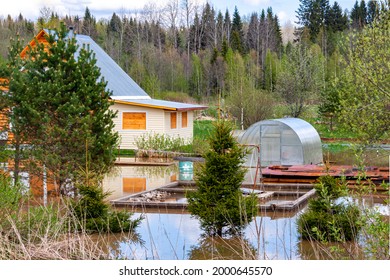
(203, 129)
(340, 224)
(95, 215)
(10, 195)
(326, 219)
(159, 142)
(40, 222)
(11, 200)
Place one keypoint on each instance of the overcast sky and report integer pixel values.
(30, 9)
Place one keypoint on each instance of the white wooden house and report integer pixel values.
(138, 113)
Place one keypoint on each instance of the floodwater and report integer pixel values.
(166, 234)
(177, 236)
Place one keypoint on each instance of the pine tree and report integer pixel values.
(311, 14)
(335, 19)
(359, 15)
(89, 24)
(372, 11)
(218, 202)
(237, 42)
(14, 100)
(67, 117)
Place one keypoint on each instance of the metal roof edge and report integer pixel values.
(191, 107)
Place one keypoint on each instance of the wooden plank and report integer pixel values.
(184, 119)
(134, 120)
(133, 185)
(173, 120)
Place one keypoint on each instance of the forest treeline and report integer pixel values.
(183, 51)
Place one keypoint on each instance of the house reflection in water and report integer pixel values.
(127, 179)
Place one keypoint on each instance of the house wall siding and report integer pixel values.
(179, 131)
(154, 123)
(157, 121)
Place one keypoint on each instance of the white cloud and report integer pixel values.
(256, 2)
(31, 8)
(282, 15)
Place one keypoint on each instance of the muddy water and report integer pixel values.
(173, 234)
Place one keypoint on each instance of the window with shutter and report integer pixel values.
(184, 121)
(173, 120)
(134, 120)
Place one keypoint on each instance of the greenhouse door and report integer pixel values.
(270, 144)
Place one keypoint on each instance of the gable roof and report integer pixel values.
(124, 89)
(118, 81)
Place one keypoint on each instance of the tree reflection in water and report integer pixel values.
(218, 248)
(177, 236)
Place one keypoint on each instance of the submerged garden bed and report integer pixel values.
(272, 197)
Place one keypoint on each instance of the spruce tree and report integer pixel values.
(237, 38)
(218, 201)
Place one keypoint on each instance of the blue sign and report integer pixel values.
(186, 170)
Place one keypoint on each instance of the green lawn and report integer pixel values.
(202, 129)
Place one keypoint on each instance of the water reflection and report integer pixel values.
(175, 235)
(125, 179)
(167, 236)
(217, 248)
(312, 250)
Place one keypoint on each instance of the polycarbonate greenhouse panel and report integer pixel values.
(287, 141)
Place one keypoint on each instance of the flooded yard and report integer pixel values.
(171, 233)
(169, 236)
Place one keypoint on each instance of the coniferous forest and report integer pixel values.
(251, 65)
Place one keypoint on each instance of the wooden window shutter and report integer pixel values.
(184, 120)
(133, 120)
(173, 120)
(134, 185)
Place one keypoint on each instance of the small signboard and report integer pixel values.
(186, 170)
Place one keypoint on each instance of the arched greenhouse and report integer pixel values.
(287, 141)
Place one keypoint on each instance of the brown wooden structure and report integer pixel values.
(310, 173)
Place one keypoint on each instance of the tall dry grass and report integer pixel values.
(32, 231)
(45, 233)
